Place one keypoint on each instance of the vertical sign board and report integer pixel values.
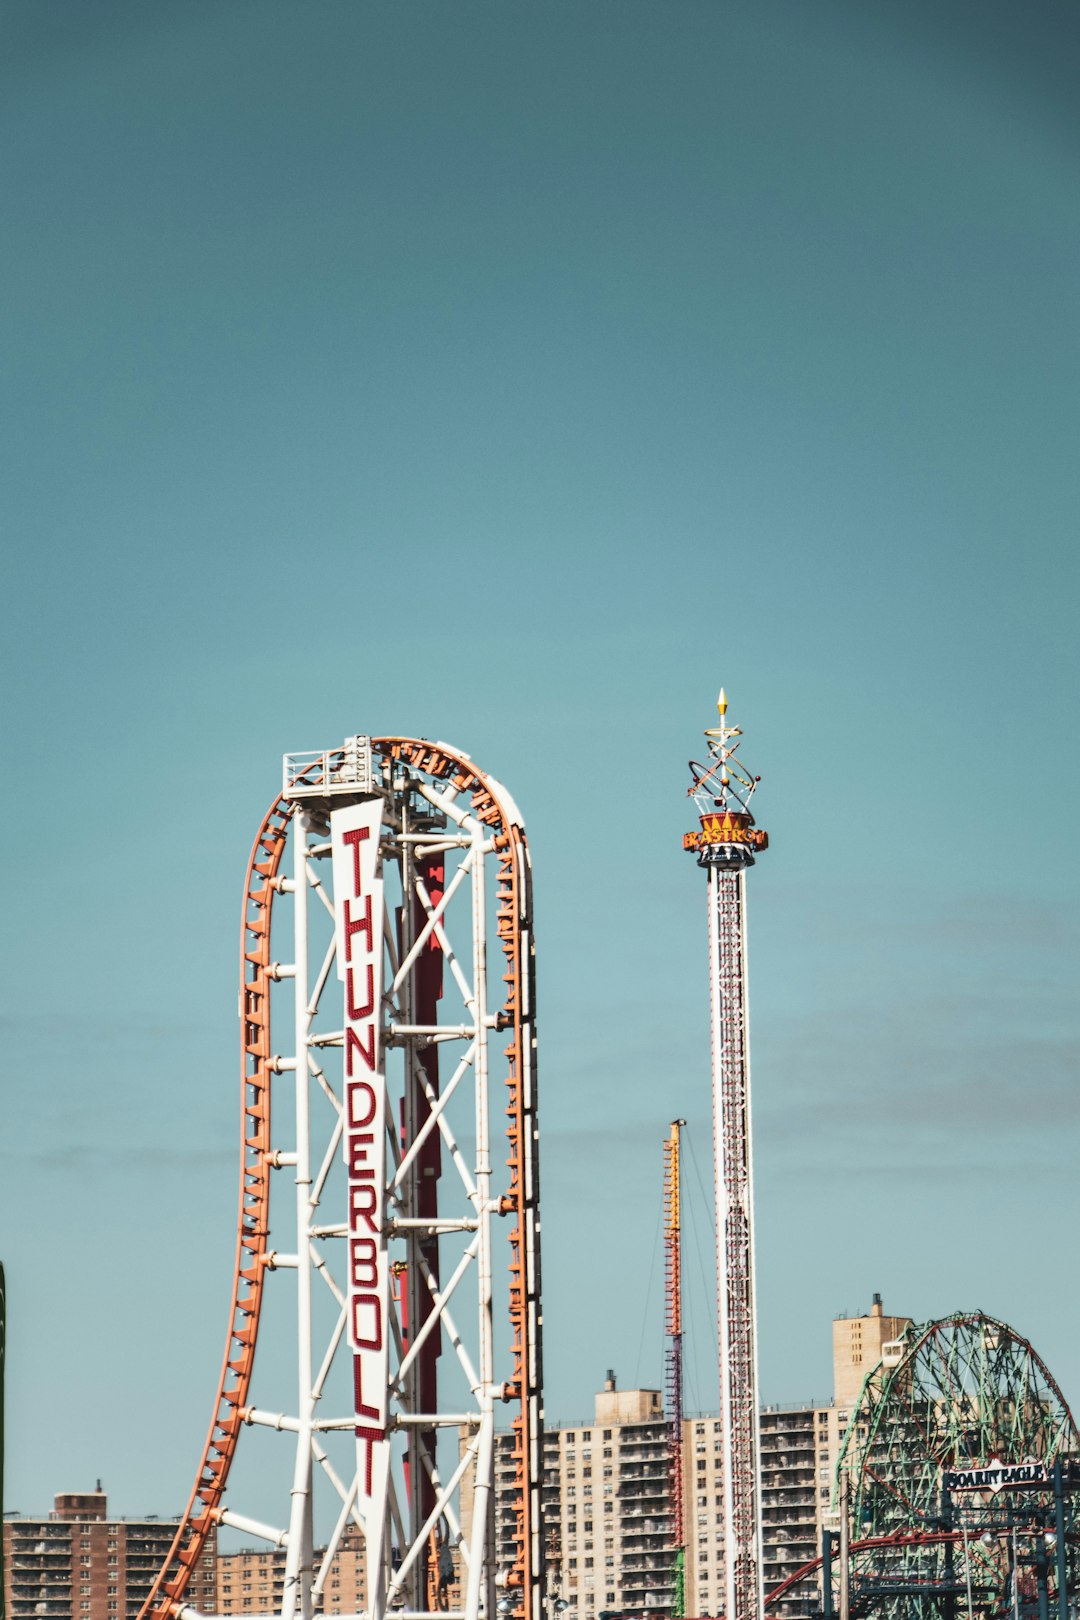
(358, 900)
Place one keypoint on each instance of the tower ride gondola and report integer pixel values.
(374, 1185)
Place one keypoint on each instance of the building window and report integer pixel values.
(588, 1526)
(586, 1472)
(607, 1434)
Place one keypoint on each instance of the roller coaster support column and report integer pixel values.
(845, 1547)
(1059, 1542)
(725, 846)
(828, 1609)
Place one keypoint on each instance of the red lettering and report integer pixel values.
(362, 1200)
(373, 1304)
(359, 1143)
(372, 1437)
(359, 1407)
(361, 1102)
(355, 1013)
(357, 836)
(354, 1043)
(358, 925)
(363, 1262)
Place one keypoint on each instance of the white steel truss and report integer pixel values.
(406, 863)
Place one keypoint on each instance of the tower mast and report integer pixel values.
(725, 845)
(673, 1303)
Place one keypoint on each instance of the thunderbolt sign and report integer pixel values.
(358, 891)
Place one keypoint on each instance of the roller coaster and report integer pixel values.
(956, 1485)
(377, 878)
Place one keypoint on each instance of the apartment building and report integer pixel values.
(607, 1505)
(78, 1564)
(607, 1498)
(252, 1581)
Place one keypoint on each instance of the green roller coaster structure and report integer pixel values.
(952, 1395)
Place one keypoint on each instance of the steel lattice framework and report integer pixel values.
(725, 845)
(674, 1328)
(371, 1042)
(950, 1395)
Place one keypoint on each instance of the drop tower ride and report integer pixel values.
(726, 843)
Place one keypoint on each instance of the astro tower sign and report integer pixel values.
(726, 843)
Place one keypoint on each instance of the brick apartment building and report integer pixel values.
(78, 1564)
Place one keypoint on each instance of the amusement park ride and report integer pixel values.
(378, 1133)
(389, 1151)
(956, 1485)
(725, 845)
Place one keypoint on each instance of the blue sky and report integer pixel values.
(517, 375)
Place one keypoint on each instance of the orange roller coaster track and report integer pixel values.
(435, 805)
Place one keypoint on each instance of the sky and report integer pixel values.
(518, 375)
